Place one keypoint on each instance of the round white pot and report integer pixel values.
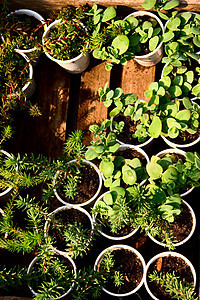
(75, 65)
(5, 194)
(164, 254)
(91, 200)
(176, 151)
(110, 237)
(31, 266)
(33, 54)
(118, 247)
(155, 56)
(188, 237)
(60, 209)
(146, 143)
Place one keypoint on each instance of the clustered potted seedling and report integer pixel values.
(139, 195)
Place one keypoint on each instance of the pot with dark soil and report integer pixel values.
(182, 228)
(113, 212)
(51, 277)
(126, 267)
(80, 186)
(170, 275)
(70, 230)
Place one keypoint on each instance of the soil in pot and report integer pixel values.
(64, 217)
(182, 225)
(130, 153)
(130, 267)
(86, 188)
(25, 31)
(168, 264)
(129, 128)
(185, 137)
(122, 232)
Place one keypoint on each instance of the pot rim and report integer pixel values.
(110, 237)
(136, 252)
(61, 208)
(53, 25)
(164, 254)
(86, 162)
(74, 268)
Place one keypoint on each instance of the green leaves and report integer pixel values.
(153, 43)
(171, 4)
(109, 13)
(155, 127)
(121, 42)
(148, 4)
(154, 170)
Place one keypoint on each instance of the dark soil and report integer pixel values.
(182, 225)
(168, 264)
(130, 154)
(69, 216)
(87, 188)
(129, 128)
(130, 266)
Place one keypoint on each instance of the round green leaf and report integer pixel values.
(154, 170)
(153, 43)
(109, 14)
(121, 42)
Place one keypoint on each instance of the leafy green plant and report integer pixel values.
(176, 287)
(182, 81)
(173, 173)
(182, 38)
(161, 6)
(70, 36)
(124, 38)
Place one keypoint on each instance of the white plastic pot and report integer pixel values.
(187, 238)
(155, 56)
(75, 65)
(164, 254)
(144, 144)
(176, 151)
(110, 237)
(5, 194)
(91, 200)
(118, 247)
(60, 209)
(33, 52)
(31, 266)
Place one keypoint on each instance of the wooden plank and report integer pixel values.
(14, 298)
(91, 110)
(50, 5)
(136, 78)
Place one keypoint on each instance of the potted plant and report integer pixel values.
(24, 28)
(65, 41)
(79, 185)
(5, 191)
(181, 38)
(170, 275)
(71, 230)
(55, 276)
(114, 212)
(130, 117)
(119, 164)
(182, 81)
(126, 266)
(126, 38)
(175, 171)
